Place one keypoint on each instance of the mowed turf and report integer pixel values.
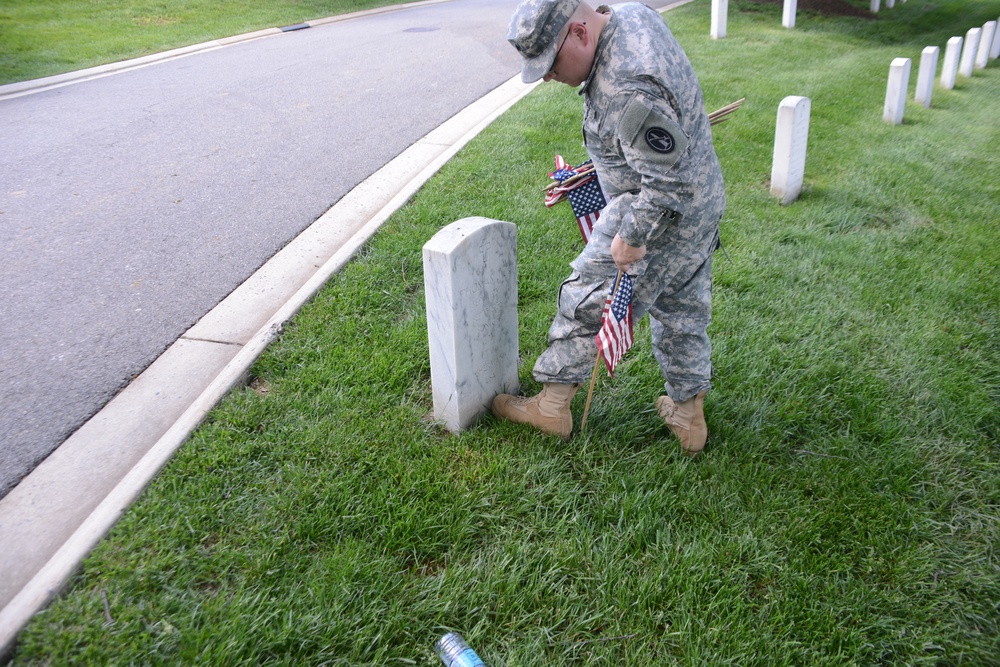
(845, 511)
(41, 38)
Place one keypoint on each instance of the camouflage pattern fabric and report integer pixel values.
(646, 129)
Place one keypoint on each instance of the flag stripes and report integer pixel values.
(615, 337)
(581, 187)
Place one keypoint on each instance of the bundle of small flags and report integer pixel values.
(580, 186)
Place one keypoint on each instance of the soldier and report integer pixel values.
(646, 129)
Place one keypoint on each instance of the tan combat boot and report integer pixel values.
(686, 420)
(548, 411)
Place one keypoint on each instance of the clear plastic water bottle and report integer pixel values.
(454, 652)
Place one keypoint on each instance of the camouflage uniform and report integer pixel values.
(646, 129)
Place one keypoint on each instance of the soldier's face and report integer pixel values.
(573, 58)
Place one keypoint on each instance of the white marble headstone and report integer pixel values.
(950, 67)
(969, 51)
(791, 134)
(788, 13)
(895, 92)
(720, 18)
(874, 6)
(985, 43)
(925, 77)
(995, 48)
(470, 287)
(889, 4)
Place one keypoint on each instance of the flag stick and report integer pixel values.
(590, 392)
(572, 179)
(597, 361)
(722, 114)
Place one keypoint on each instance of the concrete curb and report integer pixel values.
(217, 346)
(12, 90)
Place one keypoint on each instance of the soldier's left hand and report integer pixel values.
(624, 254)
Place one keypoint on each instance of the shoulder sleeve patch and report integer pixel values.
(650, 133)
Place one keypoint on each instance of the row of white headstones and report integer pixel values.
(791, 134)
(979, 46)
(470, 268)
(720, 14)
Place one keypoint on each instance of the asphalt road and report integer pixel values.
(130, 205)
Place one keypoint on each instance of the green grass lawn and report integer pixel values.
(41, 37)
(845, 511)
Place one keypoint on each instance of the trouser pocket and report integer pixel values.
(581, 300)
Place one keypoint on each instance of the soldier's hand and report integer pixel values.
(624, 254)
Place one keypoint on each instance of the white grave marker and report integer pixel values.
(720, 17)
(874, 6)
(985, 43)
(895, 92)
(791, 134)
(950, 67)
(470, 287)
(969, 51)
(788, 13)
(889, 4)
(995, 49)
(925, 78)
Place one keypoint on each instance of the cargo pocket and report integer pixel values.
(581, 299)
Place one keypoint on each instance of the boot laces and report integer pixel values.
(673, 416)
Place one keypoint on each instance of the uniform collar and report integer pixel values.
(602, 44)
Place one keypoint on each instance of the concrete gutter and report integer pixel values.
(57, 514)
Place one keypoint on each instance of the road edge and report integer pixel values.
(42, 588)
(17, 89)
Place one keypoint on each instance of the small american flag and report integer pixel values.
(584, 193)
(615, 337)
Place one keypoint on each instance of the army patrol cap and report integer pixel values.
(534, 28)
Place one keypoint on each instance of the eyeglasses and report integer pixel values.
(560, 49)
(560, 46)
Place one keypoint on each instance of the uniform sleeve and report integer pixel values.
(655, 147)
